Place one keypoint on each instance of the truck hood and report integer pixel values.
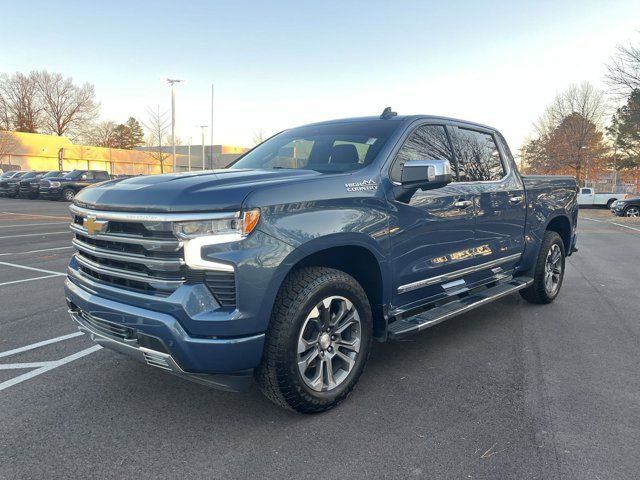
(213, 190)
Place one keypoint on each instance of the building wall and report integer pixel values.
(32, 151)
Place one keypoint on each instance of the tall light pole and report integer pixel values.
(211, 131)
(171, 82)
(203, 127)
(189, 153)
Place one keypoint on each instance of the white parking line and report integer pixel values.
(35, 234)
(36, 251)
(627, 226)
(41, 270)
(612, 223)
(31, 215)
(40, 344)
(33, 224)
(57, 275)
(48, 366)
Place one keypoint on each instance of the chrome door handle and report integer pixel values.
(463, 203)
(516, 199)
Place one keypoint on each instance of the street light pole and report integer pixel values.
(171, 81)
(189, 153)
(203, 127)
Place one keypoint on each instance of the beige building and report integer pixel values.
(33, 151)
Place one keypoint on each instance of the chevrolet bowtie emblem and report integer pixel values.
(93, 225)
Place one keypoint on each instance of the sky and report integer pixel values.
(280, 64)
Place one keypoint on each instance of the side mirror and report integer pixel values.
(426, 174)
(83, 177)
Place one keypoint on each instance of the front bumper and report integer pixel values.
(158, 339)
(28, 191)
(51, 193)
(618, 210)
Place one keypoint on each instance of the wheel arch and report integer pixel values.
(359, 259)
(562, 226)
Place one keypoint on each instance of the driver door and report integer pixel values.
(433, 231)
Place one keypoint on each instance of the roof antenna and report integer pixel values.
(387, 113)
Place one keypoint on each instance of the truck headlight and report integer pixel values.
(55, 184)
(237, 227)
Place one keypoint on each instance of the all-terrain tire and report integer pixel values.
(278, 375)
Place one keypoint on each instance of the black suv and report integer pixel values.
(30, 187)
(628, 207)
(67, 186)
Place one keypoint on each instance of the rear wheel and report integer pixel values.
(68, 194)
(549, 271)
(632, 211)
(318, 340)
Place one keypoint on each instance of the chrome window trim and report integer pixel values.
(151, 217)
(456, 274)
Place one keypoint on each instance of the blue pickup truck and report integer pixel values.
(285, 266)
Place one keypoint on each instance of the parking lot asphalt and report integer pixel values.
(508, 391)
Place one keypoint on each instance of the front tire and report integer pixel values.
(68, 194)
(632, 211)
(549, 271)
(318, 340)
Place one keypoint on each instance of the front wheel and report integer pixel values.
(632, 211)
(549, 271)
(68, 194)
(318, 340)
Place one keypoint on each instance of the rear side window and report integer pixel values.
(478, 157)
(102, 176)
(428, 142)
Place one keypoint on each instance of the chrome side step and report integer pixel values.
(429, 318)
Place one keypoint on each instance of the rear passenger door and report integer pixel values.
(484, 165)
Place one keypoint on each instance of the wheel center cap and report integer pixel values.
(324, 341)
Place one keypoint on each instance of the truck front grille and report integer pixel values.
(130, 255)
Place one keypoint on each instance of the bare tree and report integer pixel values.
(258, 137)
(158, 126)
(66, 107)
(623, 73)
(20, 102)
(100, 134)
(8, 144)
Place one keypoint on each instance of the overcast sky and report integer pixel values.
(280, 64)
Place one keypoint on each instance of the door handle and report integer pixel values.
(516, 199)
(463, 203)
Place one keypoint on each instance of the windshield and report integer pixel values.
(328, 148)
(73, 174)
(55, 174)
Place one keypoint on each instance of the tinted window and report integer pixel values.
(478, 157)
(88, 176)
(428, 142)
(102, 176)
(331, 147)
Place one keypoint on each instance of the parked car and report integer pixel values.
(13, 184)
(9, 174)
(30, 187)
(286, 265)
(5, 182)
(67, 186)
(588, 197)
(628, 207)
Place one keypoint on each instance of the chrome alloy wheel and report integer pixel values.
(329, 343)
(553, 269)
(632, 212)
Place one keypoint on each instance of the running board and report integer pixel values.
(407, 326)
